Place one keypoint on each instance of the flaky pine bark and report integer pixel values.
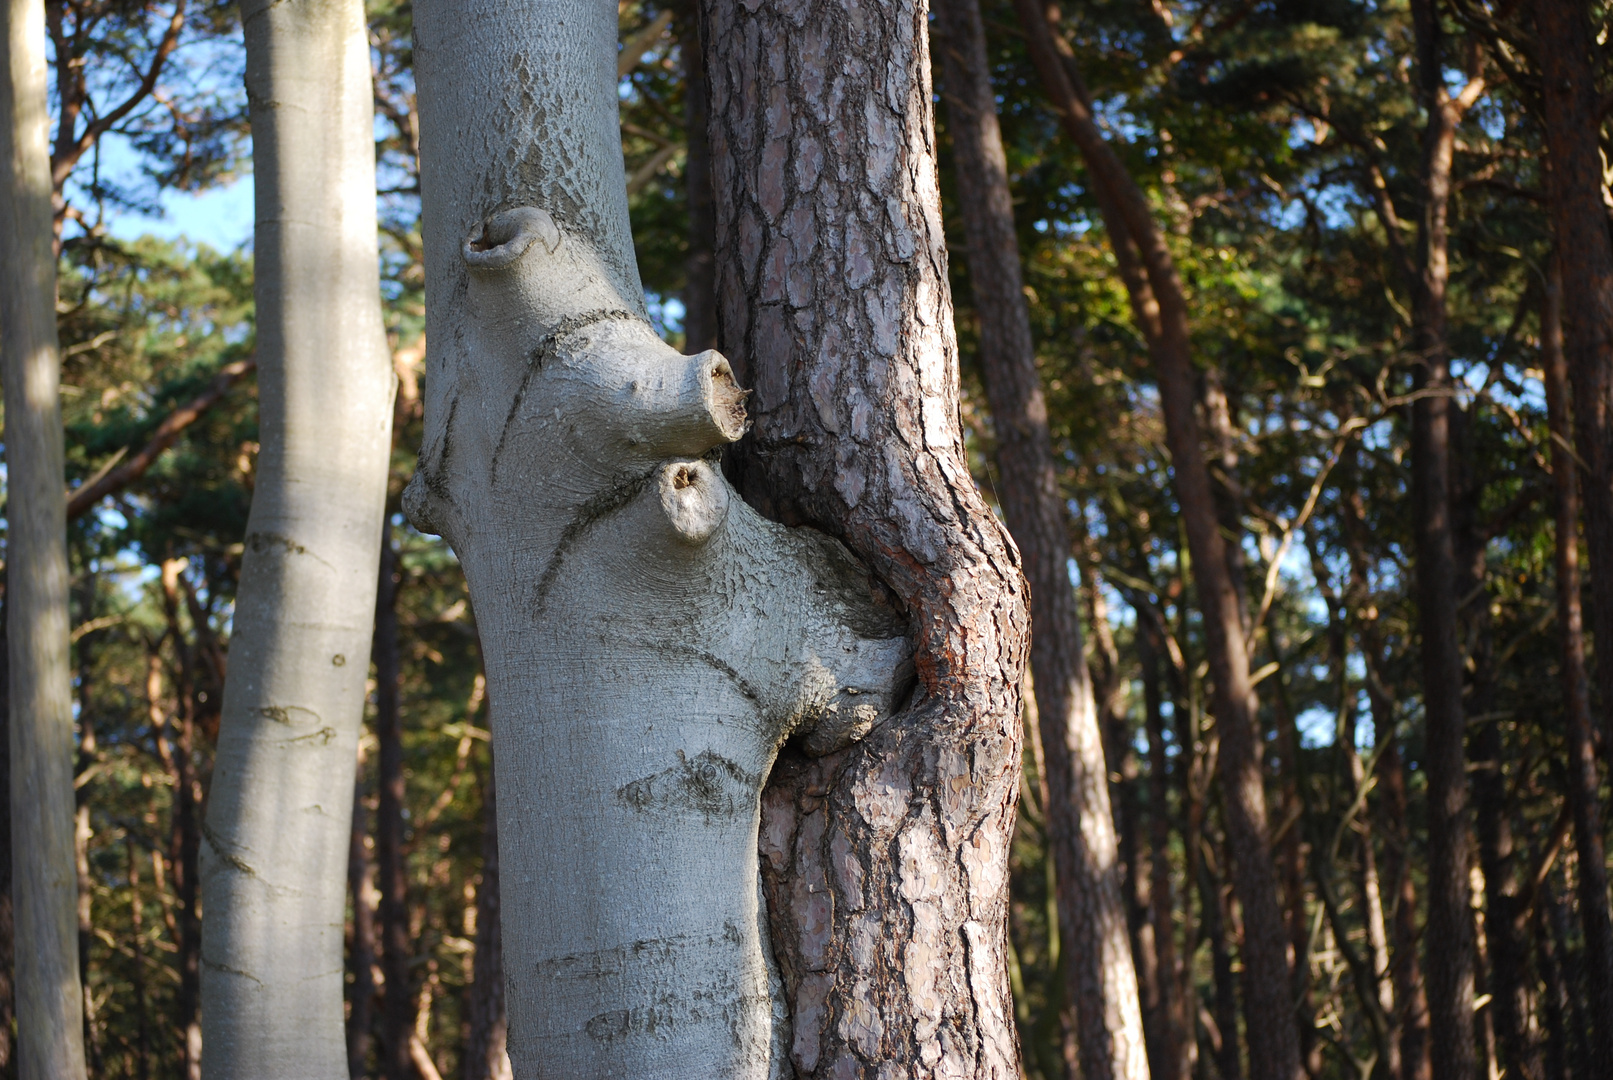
(1161, 312)
(1582, 780)
(650, 641)
(1448, 941)
(886, 866)
(278, 825)
(49, 1007)
(1101, 982)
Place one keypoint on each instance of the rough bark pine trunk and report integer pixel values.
(50, 1005)
(885, 866)
(279, 814)
(1099, 977)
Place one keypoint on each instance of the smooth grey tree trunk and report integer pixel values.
(649, 640)
(1100, 979)
(279, 818)
(50, 1005)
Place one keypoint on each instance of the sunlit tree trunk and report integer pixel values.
(50, 1008)
(885, 866)
(279, 814)
(649, 640)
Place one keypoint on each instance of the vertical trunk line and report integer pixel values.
(397, 944)
(1101, 982)
(1273, 1046)
(1583, 781)
(50, 1005)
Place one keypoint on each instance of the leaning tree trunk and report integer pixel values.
(50, 1006)
(279, 816)
(886, 866)
(1101, 982)
(1160, 310)
(649, 640)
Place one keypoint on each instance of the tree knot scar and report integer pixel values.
(264, 542)
(709, 784)
(500, 239)
(694, 498)
(727, 399)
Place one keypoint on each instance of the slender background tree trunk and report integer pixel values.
(1583, 782)
(1099, 978)
(50, 1006)
(1449, 939)
(1162, 313)
(279, 814)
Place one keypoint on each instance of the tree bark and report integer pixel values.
(699, 266)
(1162, 314)
(1572, 114)
(568, 458)
(1168, 1057)
(886, 866)
(397, 949)
(1449, 936)
(1100, 981)
(1582, 780)
(8, 986)
(485, 1056)
(361, 953)
(50, 1005)
(279, 815)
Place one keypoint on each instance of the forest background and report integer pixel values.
(1281, 149)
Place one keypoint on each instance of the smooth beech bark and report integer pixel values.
(1160, 311)
(1449, 938)
(886, 866)
(1100, 980)
(49, 1002)
(279, 817)
(1583, 781)
(649, 640)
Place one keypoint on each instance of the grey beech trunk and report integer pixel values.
(279, 818)
(1159, 307)
(1101, 982)
(49, 1004)
(650, 641)
(886, 865)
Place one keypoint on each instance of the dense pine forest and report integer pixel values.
(1365, 208)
